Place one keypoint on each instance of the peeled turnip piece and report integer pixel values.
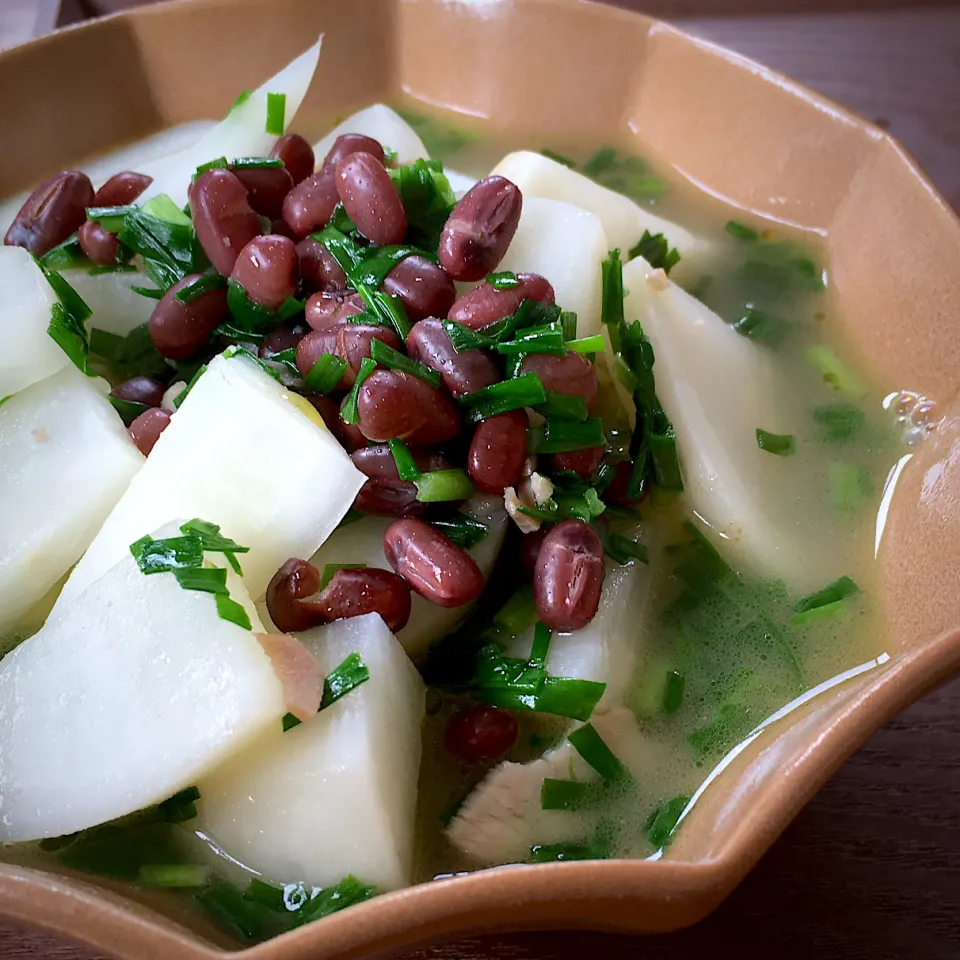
(128, 694)
(27, 352)
(241, 133)
(242, 452)
(717, 387)
(362, 542)
(606, 649)
(115, 307)
(65, 461)
(624, 221)
(337, 794)
(566, 245)
(382, 124)
(501, 819)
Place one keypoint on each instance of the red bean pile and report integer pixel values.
(256, 227)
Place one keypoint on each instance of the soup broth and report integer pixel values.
(720, 648)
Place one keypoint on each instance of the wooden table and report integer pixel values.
(871, 868)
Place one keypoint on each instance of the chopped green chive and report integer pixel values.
(325, 374)
(347, 893)
(181, 807)
(523, 391)
(230, 610)
(601, 162)
(441, 485)
(568, 323)
(762, 327)
(569, 794)
(850, 485)
(185, 392)
(623, 550)
(276, 110)
(560, 696)
(839, 422)
(248, 315)
(564, 406)
(129, 410)
(406, 466)
(655, 249)
(541, 647)
(741, 231)
(148, 292)
(384, 354)
(345, 251)
(825, 612)
(543, 339)
(66, 255)
(346, 677)
(349, 411)
(427, 199)
(254, 163)
(243, 97)
(173, 875)
(838, 590)
(561, 436)
(164, 556)
(592, 344)
(110, 218)
(504, 280)
(70, 335)
(462, 530)
(463, 338)
(198, 287)
(673, 692)
(665, 821)
(591, 746)
(379, 261)
(611, 304)
(557, 158)
(781, 444)
(835, 372)
(204, 579)
(519, 613)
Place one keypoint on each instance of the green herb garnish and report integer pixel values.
(441, 485)
(839, 422)
(385, 355)
(276, 110)
(664, 821)
(206, 283)
(462, 530)
(591, 746)
(655, 249)
(325, 374)
(623, 550)
(741, 231)
(523, 391)
(504, 280)
(781, 444)
(762, 327)
(562, 435)
(673, 692)
(407, 467)
(348, 413)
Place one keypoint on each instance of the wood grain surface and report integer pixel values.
(871, 868)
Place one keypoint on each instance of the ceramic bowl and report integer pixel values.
(560, 69)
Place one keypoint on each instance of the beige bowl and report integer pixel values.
(560, 68)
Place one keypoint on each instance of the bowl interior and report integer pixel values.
(565, 69)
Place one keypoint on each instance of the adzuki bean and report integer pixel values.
(461, 373)
(434, 567)
(296, 154)
(145, 430)
(267, 269)
(353, 593)
(98, 244)
(354, 343)
(295, 605)
(51, 213)
(318, 269)
(326, 311)
(392, 403)
(423, 288)
(570, 373)
(266, 188)
(121, 189)
(285, 337)
(329, 410)
(480, 228)
(384, 493)
(485, 304)
(498, 452)
(349, 143)
(481, 734)
(224, 220)
(370, 198)
(310, 204)
(178, 330)
(349, 434)
(140, 390)
(584, 463)
(568, 576)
